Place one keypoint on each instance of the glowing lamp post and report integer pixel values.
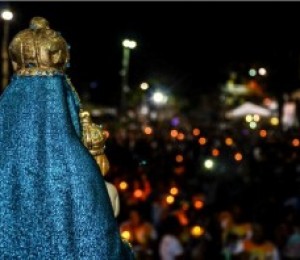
(128, 45)
(6, 16)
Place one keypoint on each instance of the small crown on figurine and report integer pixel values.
(38, 23)
(85, 117)
(39, 50)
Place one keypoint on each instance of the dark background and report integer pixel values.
(187, 46)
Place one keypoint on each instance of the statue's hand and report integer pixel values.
(114, 197)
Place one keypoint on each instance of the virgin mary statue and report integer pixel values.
(53, 201)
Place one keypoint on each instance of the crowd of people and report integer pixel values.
(207, 194)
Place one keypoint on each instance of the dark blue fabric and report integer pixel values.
(53, 200)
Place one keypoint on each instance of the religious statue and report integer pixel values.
(53, 202)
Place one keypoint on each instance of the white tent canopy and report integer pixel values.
(248, 108)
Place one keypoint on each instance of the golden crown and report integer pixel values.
(39, 50)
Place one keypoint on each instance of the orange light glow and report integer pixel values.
(196, 131)
(197, 231)
(183, 220)
(170, 199)
(174, 133)
(198, 204)
(148, 130)
(238, 156)
(263, 133)
(174, 191)
(138, 193)
(123, 185)
(179, 158)
(228, 141)
(296, 142)
(215, 152)
(202, 140)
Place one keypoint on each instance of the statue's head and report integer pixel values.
(39, 50)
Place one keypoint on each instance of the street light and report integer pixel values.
(252, 72)
(127, 46)
(262, 71)
(144, 86)
(159, 98)
(6, 16)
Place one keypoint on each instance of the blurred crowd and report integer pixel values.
(207, 194)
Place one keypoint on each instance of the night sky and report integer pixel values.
(187, 47)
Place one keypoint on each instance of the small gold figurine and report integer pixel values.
(94, 139)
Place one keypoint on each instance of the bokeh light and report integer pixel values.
(295, 142)
(252, 72)
(208, 164)
(144, 86)
(202, 140)
(198, 204)
(274, 121)
(252, 125)
(228, 141)
(196, 131)
(262, 71)
(170, 199)
(215, 152)
(174, 191)
(197, 231)
(179, 158)
(238, 156)
(123, 185)
(173, 133)
(148, 130)
(263, 133)
(126, 235)
(138, 193)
